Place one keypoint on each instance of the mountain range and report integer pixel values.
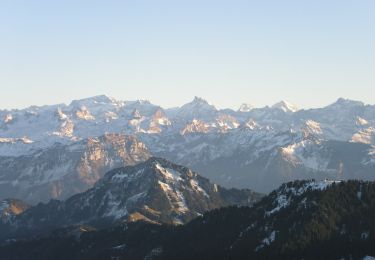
(59, 150)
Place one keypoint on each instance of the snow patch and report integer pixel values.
(114, 207)
(175, 198)
(198, 188)
(169, 174)
(284, 195)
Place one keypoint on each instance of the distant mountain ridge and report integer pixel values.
(257, 148)
(39, 127)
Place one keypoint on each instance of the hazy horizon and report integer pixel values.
(300, 107)
(168, 52)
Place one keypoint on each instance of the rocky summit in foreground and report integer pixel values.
(156, 191)
(300, 220)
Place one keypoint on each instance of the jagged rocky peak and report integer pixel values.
(199, 108)
(199, 103)
(195, 126)
(245, 107)
(286, 107)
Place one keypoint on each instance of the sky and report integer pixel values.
(229, 52)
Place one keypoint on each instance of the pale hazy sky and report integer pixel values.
(229, 52)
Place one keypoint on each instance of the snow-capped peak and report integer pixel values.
(199, 102)
(286, 107)
(245, 107)
(198, 108)
(101, 99)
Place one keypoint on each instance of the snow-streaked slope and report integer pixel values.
(285, 194)
(156, 191)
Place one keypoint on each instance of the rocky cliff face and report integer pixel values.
(63, 170)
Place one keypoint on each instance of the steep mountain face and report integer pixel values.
(63, 170)
(261, 159)
(299, 220)
(258, 148)
(155, 191)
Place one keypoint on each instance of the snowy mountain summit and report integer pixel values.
(259, 148)
(245, 107)
(286, 107)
